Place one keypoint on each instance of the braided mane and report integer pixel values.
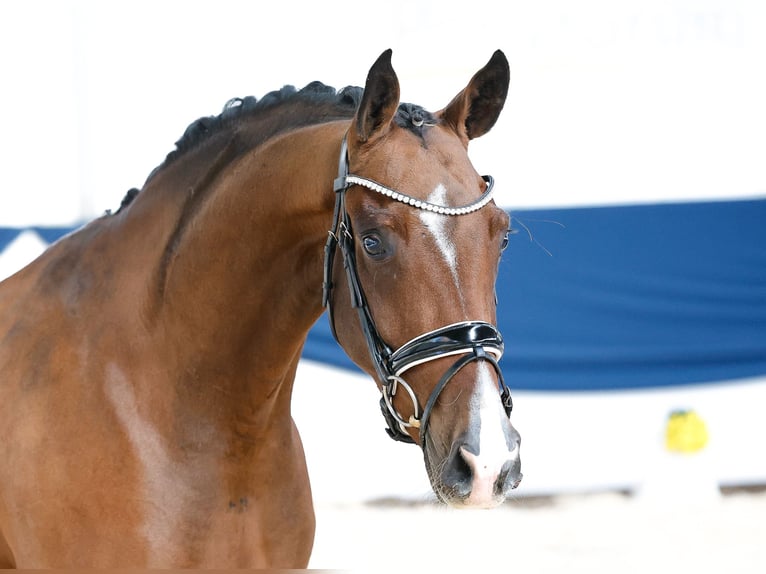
(313, 104)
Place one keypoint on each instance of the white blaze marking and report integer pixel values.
(436, 224)
(487, 408)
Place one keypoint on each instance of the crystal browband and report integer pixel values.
(419, 203)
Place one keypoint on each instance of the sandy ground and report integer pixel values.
(612, 533)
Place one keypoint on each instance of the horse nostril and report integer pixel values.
(457, 474)
(510, 477)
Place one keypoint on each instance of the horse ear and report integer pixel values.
(474, 111)
(379, 101)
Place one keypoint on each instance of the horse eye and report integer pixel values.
(506, 238)
(373, 245)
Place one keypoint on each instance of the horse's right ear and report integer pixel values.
(379, 101)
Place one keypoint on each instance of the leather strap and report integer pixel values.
(476, 340)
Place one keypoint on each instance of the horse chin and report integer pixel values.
(472, 503)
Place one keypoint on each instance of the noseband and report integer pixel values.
(471, 340)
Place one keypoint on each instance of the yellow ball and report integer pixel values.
(685, 432)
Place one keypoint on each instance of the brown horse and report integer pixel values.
(148, 359)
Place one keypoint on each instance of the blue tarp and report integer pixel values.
(621, 297)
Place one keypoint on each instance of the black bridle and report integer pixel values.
(471, 340)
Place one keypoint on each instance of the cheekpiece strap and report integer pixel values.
(475, 340)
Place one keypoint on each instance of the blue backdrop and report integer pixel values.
(620, 297)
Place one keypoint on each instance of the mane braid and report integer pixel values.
(315, 93)
(324, 103)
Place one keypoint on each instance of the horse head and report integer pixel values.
(413, 302)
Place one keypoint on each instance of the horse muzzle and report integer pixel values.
(467, 479)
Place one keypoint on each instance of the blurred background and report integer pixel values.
(632, 156)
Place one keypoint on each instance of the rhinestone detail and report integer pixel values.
(418, 203)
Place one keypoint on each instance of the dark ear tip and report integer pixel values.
(385, 58)
(383, 64)
(499, 59)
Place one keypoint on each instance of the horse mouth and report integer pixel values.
(471, 491)
(450, 498)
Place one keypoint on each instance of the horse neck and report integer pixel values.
(239, 280)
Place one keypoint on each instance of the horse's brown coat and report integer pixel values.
(147, 360)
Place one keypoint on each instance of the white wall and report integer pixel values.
(610, 101)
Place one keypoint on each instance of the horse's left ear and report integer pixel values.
(474, 111)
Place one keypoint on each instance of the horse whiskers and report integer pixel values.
(436, 471)
(437, 483)
(529, 231)
(442, 402)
